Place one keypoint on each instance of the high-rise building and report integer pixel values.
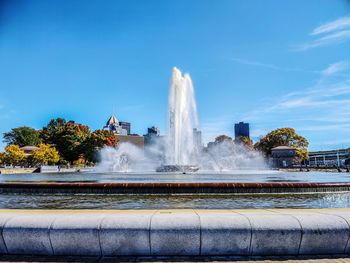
(113, 125)
(197, 137)
(126, 126)
(122, 132)
(152, 135)
(242, 130)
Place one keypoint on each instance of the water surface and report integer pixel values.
(100, 201)
(232, 176)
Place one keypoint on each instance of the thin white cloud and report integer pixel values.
(326, 128)
(340, 142)
(334, 32)
(337, 24)
(322, 110)
(256, 63)
(335, 68)
(269, 66)
(214, 127)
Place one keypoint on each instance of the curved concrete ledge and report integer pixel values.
(173, 188)
(175, 232)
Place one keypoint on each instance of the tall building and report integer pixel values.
(126, 126)
(152, 135)
(242, 129)
(122, 132)
(197, 137)
(153, 131)
(114, 126)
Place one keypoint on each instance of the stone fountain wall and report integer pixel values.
(174, 232)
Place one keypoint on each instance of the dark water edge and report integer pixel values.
(94, 201)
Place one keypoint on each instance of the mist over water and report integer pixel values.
(180, 146)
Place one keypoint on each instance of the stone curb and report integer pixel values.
(107, 233)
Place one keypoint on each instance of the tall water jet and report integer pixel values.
(181, 150)
(183, 119)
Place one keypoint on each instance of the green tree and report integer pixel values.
(285, 137)
(14, 155)
(45, 154)
(22, 136)
(67, 137)
(51, 132)
(70, 140)
(96, 141)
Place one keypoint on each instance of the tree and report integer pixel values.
(22, 136)
(67, 137)
(223, 138)
(70, 140)
(285, 137)
(245, 141)
(14, 155)
(45, 154)
(96, 141)
(50, 133)
(2, 158)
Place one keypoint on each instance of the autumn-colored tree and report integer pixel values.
(14, 155)
(245, 141)
(22, 136)
(81, 161)
(222, 138)
(285, 137)
(45, 154)
(96, 141)
(2, 158)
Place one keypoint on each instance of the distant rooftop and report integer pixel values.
(283, 147)
(112, 120)
(29, 148)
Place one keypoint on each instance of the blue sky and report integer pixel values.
(272, 63)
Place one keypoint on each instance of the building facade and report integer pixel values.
(197, 137)
(242, 130)
(152, 136)
(282, 156)
(126, 126)
(122, 130)
(329, 158)
(113, 125)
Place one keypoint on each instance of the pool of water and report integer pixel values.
(232, 176)
(100, 201)
(80, 201)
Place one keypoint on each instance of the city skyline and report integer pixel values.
(118, 57)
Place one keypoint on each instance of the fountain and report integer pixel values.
(181, 151)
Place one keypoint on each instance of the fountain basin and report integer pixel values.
(173, 188)
(116, 233)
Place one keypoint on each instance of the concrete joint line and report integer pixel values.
(99, 234)
(200, 232)
(2, 235)
(49, 233)
(251, 231)
(347, 242)
(149, 232)
(301, 227)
